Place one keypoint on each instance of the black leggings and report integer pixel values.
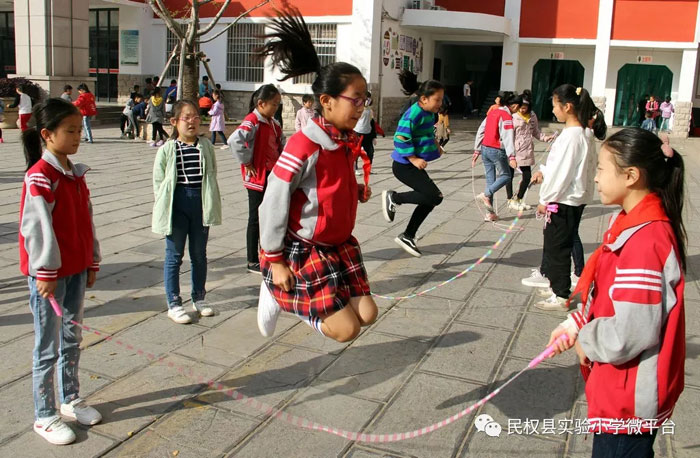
(213, 136)
(559, 235)
(255, 198)
(527, 175)
(509, 183)
(158, 129)
(426, 195)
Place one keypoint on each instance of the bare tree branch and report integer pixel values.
(162, 12)
(215, 20)
(167, 64)
(181, 69)
(242, 15)
(204, 2)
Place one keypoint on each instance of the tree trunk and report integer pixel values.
(190, 76)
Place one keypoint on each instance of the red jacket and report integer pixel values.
(86, 103)
(57, 235)
(634, 331)
(312, 193)
(257, 141)
(496, 131)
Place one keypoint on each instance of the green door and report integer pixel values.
(547, 75)
(634, 83)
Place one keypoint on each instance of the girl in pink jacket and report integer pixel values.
(218, 118)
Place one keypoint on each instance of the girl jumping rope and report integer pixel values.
(629, 332)
(414, 146)
(257, 143)
(60, 255)
(218, 118)
(311, 264)
(527, 128)
(495, 144)
(187, 203)
(567, 186)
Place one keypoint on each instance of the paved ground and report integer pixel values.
(423, 360)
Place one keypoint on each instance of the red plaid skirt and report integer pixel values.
(325, 277)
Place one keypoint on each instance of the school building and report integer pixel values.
(621, 50)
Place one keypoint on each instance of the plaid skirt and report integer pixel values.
(325, 277)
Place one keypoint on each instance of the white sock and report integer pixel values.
(315, 322)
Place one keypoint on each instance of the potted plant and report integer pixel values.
(8, 92)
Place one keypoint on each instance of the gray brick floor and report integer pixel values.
(422, 361)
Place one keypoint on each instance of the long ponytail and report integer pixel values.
(409, 82)
(292, 51)
(663, 175)
(48, 115)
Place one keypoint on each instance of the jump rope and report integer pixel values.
(314, 426)
(303, 422)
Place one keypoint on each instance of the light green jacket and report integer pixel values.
(165, 180)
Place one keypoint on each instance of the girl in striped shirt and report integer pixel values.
(187, 203)
(414, 147)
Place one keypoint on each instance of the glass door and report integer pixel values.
(104, 52)
(7, 44)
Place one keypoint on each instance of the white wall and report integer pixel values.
(530, 54)
(619, 57)
(390, 82)
(152, 40)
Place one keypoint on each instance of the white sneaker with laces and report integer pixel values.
(552, 303)
(524, 207)
(54, 430)
(78, 410)
(224, 147)
(536, 280)
(268, 311)
(179, 315)
(545, 292)
(203, 308)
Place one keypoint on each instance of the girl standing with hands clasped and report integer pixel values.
(257, 143)
(187, 203)
(414, 146)
(60, 255)
(630, 333)
(311, 264)
(567, 186)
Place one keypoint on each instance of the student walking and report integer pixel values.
(86, 104)
(217, 124)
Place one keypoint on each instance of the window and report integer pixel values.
(241, 62)
(324, 37)
(171, 42)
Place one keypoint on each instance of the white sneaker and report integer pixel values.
(224, 147)
(203, 308)
(268, 311)
(179, 315)
(151, 143)
(545, 292)
(554, 302)
(159, 143)
(536, 280)
(574, 280)
(54, 430)
(514, 204)
(524, 207)
(80, 411)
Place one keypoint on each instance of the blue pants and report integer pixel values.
(495, 161)
(213, 136)
(56, 340)
(187, 224)
(87, 128)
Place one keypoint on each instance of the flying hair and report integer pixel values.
(289, 46)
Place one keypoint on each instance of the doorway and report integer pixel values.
(458, 62)
(7, 44)
(634, 83)
(547, 75)
(104, 53)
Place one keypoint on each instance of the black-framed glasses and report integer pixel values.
(359, 101)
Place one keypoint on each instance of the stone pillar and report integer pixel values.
(51, 43)
(600, 102)
(681, 119)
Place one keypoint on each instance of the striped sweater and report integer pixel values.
(415, 136)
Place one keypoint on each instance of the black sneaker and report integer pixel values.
(388, 206)
(254, 268)
(409, 245)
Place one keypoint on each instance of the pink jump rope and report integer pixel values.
(310, 425)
